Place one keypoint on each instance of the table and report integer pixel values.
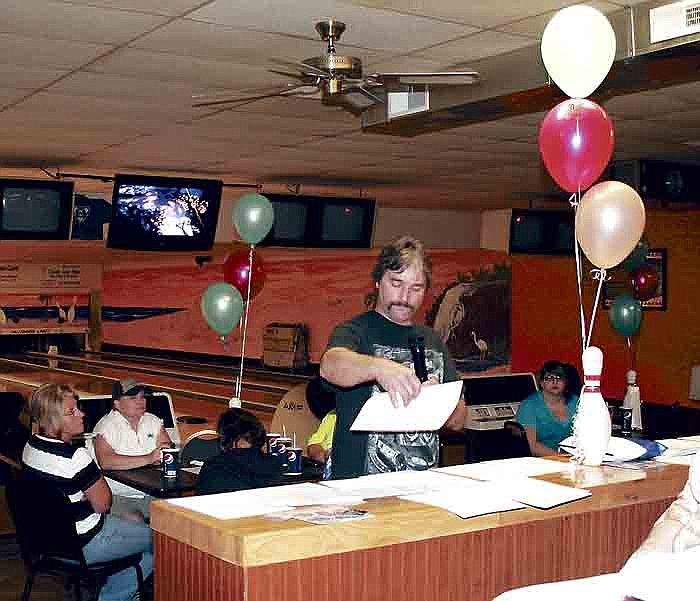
(149, 479)
(407, 551)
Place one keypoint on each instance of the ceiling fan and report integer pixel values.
(337, 79)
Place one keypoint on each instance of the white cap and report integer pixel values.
(631, 376)
(592, 360)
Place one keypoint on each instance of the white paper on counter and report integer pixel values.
(540, 494)
(395, 484)
(261, 501)
(427, 412)
(476, 498)
(498, 469)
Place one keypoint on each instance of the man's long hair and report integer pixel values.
(397, 255)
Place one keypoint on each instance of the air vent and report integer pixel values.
(674, 21)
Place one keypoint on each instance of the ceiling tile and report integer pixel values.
(478, 14)
(476, 46)
(47, 53)
(202, 75)
(534, 26)
(366, 27)
(62, 21)
(156, 7)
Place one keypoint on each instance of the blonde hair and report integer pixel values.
(46, 408)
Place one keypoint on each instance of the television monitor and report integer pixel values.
(35, 209)
(164, 213)
(542, 232)
(321, 222)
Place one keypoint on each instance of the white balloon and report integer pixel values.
(578, 49)
(609, 222)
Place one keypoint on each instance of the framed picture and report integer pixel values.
(619, 283)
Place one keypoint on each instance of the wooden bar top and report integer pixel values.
(262, 541)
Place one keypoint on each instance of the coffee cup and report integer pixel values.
(283, 443)
(169, 461)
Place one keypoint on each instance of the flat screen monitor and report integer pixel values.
(164, 213)
(35, 209)
(321, 222)
(542, 232)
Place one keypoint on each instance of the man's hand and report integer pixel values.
(399, 381)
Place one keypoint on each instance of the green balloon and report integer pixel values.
(637, 257)
(222, 307)
(253, 217)
(625, 314)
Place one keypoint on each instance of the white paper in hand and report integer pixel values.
(428, 411)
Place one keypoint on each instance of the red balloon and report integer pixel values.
(236, 273)
(576, 143)
(645, 282)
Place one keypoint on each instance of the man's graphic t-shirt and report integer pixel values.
(357, 453)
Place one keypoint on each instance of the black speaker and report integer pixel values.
(660, 181)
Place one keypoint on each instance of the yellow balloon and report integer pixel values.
(609, 222)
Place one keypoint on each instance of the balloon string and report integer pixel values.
(575, 200)
(601, 275)
(245, 319)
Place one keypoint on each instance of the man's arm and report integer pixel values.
(346, 368)
(458, 418)
(109, 459)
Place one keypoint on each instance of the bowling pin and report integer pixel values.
(633, 400)
(592, 427)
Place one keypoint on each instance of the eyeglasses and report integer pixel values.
(552, 379)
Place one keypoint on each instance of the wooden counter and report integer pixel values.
(407, 550)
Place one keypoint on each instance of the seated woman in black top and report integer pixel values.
(241, 464)
(13, 433)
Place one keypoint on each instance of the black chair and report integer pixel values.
(502, 443)
(200, 446)
(48, 540)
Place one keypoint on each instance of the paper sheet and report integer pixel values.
(395, 484)
(427, 412)
(476, 498)
(261, 501)
(506, 468)
(538, 493)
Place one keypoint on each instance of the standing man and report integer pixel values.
(372, 352)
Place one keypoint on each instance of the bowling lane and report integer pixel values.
(189, 398)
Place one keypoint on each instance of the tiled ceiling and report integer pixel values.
(106, 86)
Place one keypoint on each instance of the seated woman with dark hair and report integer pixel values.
(241, 464)
(13, 433)
(547, 415)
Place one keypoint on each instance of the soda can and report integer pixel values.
(293, 461)
(169, 461)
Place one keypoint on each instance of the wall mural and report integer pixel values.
(473, 317)
(469, 302)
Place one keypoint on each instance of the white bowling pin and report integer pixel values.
(592, 427)
(3, 318)
(70, 317)
(61, 314)
(633, 400)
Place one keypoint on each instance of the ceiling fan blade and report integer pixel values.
(436, 77)
(234, 100)
(300, 66)
(299, 76)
